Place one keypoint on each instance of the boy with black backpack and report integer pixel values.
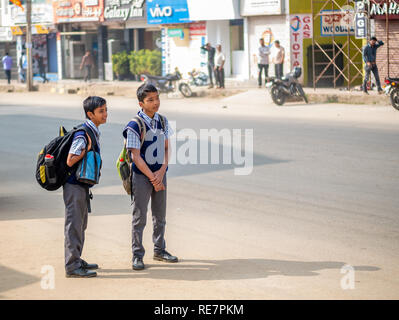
(76, 191)
(147, 144)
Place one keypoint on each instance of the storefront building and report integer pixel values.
(7, 39)
(268, 20)
(127, 28)
(187, 25)
(79, 24)
(328, 27)
(43, 34)
(385, 27)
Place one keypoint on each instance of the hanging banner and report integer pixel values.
(18, 4)
(301, 27)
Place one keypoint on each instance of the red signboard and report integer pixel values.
(379, 9)
(78, 10)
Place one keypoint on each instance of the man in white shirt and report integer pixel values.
(219, 67)
(263, 61)
(278, 59)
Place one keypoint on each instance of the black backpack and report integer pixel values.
(52, 171)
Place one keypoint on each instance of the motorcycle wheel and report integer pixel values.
(395, 98)
(278, 96)
(185, 90)
(302, 93)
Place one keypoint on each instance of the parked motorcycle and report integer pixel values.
(392, 90)
(198, 78)
(169, 83)
(288, 86)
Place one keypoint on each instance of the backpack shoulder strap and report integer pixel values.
(163, 122)
(142, 128)
(88, 132)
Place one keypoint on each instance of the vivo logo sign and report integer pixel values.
(161, 12)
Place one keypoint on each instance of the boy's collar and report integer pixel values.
(93, 126)
(148, 117)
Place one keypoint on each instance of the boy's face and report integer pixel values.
(99, 116)
(151, 103)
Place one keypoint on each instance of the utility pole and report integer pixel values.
(28, 45)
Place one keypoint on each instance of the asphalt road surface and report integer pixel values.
(316, 218)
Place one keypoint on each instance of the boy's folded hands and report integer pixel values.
(157, 180)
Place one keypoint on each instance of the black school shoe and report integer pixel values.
(165, 257)
(88, 266)
(81, 273)
(138, 263)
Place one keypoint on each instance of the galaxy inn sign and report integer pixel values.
(123, 9)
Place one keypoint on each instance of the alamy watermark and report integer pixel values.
(48, 279)
(236, 144)
(348, 280)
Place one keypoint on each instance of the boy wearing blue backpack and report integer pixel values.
(76, 192)
(147, 143)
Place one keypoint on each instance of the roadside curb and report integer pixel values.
(349, 98)
(128, 89)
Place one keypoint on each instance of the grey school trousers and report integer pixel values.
(142, 191)
(76, 211)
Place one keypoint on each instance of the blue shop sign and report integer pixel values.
(167, 11)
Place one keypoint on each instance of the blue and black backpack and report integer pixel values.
(52, 172)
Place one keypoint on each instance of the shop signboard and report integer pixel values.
(167, 12)
(78, 10)
(124, 9)
(261, 7)
(301, 27)
(337, 23)
(380, 8)
(41, 13)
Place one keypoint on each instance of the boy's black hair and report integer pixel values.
(143, 91)
(91, 103)
(373, 38)
(277, 41)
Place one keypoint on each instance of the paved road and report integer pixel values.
(322, 199)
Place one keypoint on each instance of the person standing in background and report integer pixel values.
(7, 65)
(42, 67)
(219, 67)
(211, 62)
(278, 59)
(369, 58)
(23, 65)
(87, 63)
(263, 61)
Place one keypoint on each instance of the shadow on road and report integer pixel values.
(12, 279)
(229, 269)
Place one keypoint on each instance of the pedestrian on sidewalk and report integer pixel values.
(23, 65)
(77, 194)
(42, 67)
(278, 59)
(369, 58)
(7, 66)
(263, 61)
(87, 63)
(147, 142)
(211, 62)
(219, 67)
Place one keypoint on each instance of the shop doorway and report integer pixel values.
(77, 51)
(321, 62)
